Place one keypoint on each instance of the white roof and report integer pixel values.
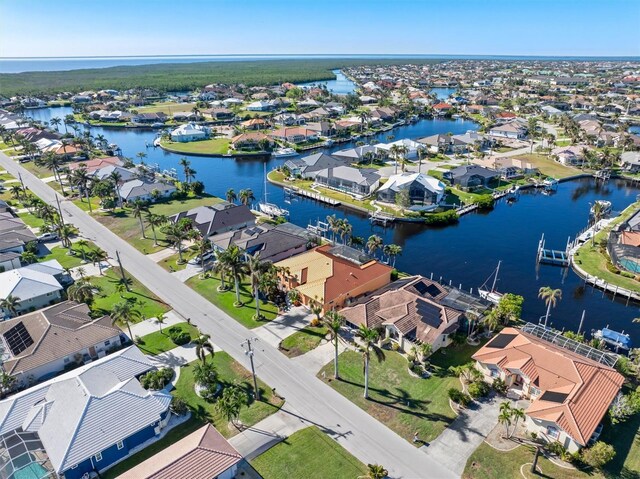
(406, 142)
(31, 281)
(190, 129)
(397, 182)
(85, 411)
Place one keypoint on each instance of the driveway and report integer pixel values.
(149, 325)
(283, 326)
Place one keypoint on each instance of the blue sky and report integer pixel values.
(182, 27)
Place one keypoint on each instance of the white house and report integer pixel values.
(424, 190)
(411, 146)
(145, 190)
(512, 130)
(190, 132)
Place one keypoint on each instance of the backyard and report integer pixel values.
(404, 403)
(311, 454)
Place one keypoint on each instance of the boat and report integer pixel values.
(267, 208)
(614, 338)
(605, 208)
(284, 153)
(550, 182)
(158, 125)
(491, 295)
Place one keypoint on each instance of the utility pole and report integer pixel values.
(21, 182)
(120, 264)
(59, 208)
(249, 352)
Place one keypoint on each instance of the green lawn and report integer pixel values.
(159, 342)
(214, 146)
(224, 301)
(171, 263)
(303, 341)
(84, 205)
(69, 261)
(168, 107)
(145, 301)
(549, 167)
(125, 225)
(404, 403)
(625, 438)
(31, 220)
(229, 372)
(489, 463)
(39, 171)
(311, 454)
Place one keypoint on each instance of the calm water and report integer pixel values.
(466, 253)
(635, 129)
(443, 93)
(340, 86)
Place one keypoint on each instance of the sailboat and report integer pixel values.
(267, 208)
(491, 295)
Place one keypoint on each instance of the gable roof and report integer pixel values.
(31, 281)
(405, 180)
(203, 454)
(210, 219)
(585, 387)
(13, 232)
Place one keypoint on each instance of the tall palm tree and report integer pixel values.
(66, 232)
(10, 304)
(53, 162)
(82, 244)
(231, 196)
(550, 297)
(505, 417)
(116, 179)
(219, 267)
(141, 156)
(185, 167)
(176, 234)
(138, 209)
(517, 414)
(124, 313)
(256, 269)
(234, 265)
(155, 221)
(334, 322)
(202, 246)
(393, 250)
(97, 256)
(55, 121)
(374, 243)
(369, 338)
(246, 196)
(81, 179)
(160, 320)
(203, 347)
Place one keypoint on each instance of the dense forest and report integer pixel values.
(182, 76)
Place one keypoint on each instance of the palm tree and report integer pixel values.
(138, 209)
(203, 347)
(550, 297)
(176, 233)
(124, 313)
(246, 196)
(375, 471)
(374, 243)
(55, 121)
(219, 268)
(231, 196)
(141, 156)
(155, 221)
(97, 256)
(82, 244)
(116, 178)
(369, 338)
(517, 414)
(236, 267)
(160, 320)
(29, 257)
(53, 162)
(505, 417)
(205, 374)
(334, 322)
(10, 304)
(185, 167)
(65, 233)
(256, 269)
(81, 291)
(230, 403)
(80, 178)
(202, 246)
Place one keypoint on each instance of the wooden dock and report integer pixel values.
(553, 256)
(314, 196)
(378, 217)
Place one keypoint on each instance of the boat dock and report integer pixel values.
(378, 217)
(314, 196)
(552, 256)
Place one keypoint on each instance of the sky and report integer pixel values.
(62, 28)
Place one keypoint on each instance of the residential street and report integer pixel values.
(317, 403)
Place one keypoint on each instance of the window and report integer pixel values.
(107, 342)
(534, 391)
(494, 373)
(120, 445)
(66, 360)
(552, 432)
(98, 457)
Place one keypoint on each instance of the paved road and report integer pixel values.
(363, 436)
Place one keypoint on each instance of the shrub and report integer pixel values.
(478, 389)
(499, 386)
(598, 455)
(178, 337)
(485, 202)
(444, 218)
(156, 379)
(315, 322)
(459, 397)
(555, 448)
(178, 406)
(626, 274)
(394, 274)
(209, 393)
(394, 346)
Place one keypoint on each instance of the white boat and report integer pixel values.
(605, 207)
(284, 153)
(267, 208)
(491, 294)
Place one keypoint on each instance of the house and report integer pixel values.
(158, 117)
(322, 128)
(36, 285)
(630, 161)
(96, 163)
(407, 314)
(359, 182)
(411, 148)
(570, 393)
(14, 234)
(272, 243)
(357, 154)
(190, 132)
(85, 420)
(105, 173)
(40, 344)
(203, 454)
(423, 190)
(309, 166)
(438, 143)
(145, 190)
(261, 105)
(218, 218)
(512, 130)
(249, 140)
(470, 176)
(9, 260)
(254, 124)
(219, 113)
(333, 276)
(441, 108)
(569, 155)
(294, 135)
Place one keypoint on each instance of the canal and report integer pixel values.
(465, 253)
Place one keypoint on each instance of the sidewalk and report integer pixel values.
(149, 325)
(283, 326)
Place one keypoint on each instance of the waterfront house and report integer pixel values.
(105, 173)
(96, 163)
(145, 190)
(569, 155)
(322, 128)
(411, 147)
(203, 454)
(190, 132)
(512, 130)
(441, 108)
(218, 218)
(309, 166)
(218, 114)
(408, 312)
(333, 276)
(254, 124)
(359, 182)
(272, 242)
(85, 420)
(294, 135)
(249, 141)
(36, 285)
(148, 118)
(630, 161)
(423, 190)
(438, 143)
(14, 234)
(260, 105)
(471, 176)
(570, 393)
(40, 344)
(357, 154)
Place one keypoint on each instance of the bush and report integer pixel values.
(626, 274)
(485, 202)
(156, 379)
(394, 274)
(315, 322)
(459, 397)
(612, 268)
(178, 337)
(556, 448)
(178, 406)
(499, 386)
(478, 389)
(598, 455)
(210, 392)
(444, 218)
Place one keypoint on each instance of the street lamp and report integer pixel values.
(249, 352)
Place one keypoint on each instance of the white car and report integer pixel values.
(43, 238)
(198, 259)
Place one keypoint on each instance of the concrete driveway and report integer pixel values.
(283, 326)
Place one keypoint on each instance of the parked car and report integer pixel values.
(198, 259)
(43, 238)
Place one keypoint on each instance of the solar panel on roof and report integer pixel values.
(430, 289)
(554, 397)
(18, 338)
(501, 340)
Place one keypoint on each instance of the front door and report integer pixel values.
(92, 352)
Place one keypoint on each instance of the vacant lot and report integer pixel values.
(214, 146)
(550, 167)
